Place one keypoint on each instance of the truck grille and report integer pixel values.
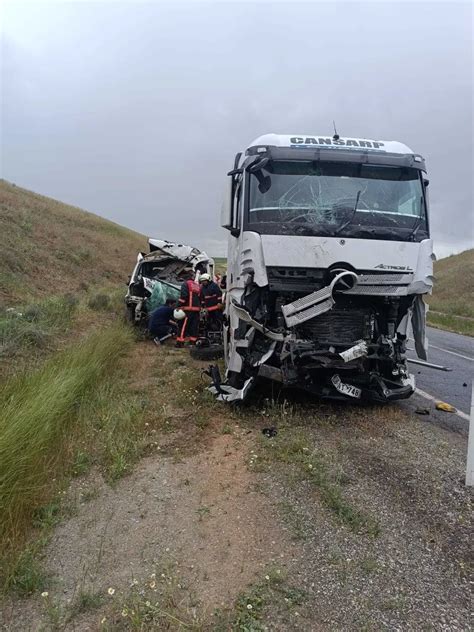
(338, 326)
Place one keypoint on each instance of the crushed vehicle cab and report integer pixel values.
(329, 256)
(158, 276)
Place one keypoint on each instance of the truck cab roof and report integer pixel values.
(330, 142)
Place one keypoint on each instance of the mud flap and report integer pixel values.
(418, 323)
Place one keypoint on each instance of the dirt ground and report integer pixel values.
(347, 519)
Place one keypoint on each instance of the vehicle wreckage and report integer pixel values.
(158, 276)
(329, 256)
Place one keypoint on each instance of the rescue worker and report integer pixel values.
(161, 323)
(211, 298)
(190, 302)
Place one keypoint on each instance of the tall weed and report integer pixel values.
(39, 418)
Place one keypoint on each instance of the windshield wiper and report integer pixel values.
(354, 211)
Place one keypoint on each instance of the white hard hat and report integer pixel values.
(205, 277)
(178, 314)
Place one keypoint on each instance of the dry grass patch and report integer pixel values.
(44, 243)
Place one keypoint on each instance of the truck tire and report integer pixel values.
(212, 352)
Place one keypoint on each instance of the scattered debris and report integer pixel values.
(422, 411)
(464, 384)
(270, 432)
(447, 408)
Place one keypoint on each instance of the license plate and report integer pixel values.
(346, 389)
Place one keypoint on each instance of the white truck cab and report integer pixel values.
(329, 256)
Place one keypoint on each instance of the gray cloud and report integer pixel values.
(135, 111)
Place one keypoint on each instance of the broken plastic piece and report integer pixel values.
(313, 304)
(227, 393)
(246, 317)
(447, 408)
(357, 351)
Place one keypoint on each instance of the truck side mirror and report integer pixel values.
(226, 211)
(426, 182)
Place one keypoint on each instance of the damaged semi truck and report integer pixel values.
(329, 256)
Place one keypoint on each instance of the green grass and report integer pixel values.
(114, 419)
(40, 420)
(34, 327)
(292, 447)
(160, 602)
(452, 302)
(86, 601)
(23, 573)
(451, 322)
(262, 599)
(453, 291)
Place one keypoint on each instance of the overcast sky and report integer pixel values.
(135, 110)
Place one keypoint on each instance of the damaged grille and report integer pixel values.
(295, 279)
(338, 326)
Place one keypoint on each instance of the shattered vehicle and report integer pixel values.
(158, 276)
(329, 256)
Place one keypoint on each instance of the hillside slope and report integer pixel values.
(454, 285)
(452, 303)
(47, 247)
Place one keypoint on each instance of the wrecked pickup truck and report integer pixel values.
(329, 257)
(158, 276)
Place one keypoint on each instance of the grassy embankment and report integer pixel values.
(48, 248)
(55, 418)
(61, 343)
(452, 303)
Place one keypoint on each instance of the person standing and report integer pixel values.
(211, 297)
(190, 302)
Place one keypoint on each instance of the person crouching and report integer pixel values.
(190, 302)
(161, 322)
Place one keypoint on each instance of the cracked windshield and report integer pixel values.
(335, 198)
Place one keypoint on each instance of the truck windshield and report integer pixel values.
(346, 199)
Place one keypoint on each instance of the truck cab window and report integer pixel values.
(338, 199)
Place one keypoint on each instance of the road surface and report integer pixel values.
(456, 352)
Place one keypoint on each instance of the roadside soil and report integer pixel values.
(210, 511)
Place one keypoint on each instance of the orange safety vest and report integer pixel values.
(190, 300)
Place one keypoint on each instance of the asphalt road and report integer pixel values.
(456, 352)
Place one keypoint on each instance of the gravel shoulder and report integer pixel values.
(347, 519)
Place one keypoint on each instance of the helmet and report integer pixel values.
(205, 277)
(178, 314)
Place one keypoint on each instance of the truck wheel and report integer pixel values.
(212, 352)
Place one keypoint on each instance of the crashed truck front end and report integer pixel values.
(329, 258)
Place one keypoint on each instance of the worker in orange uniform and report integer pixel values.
(211, 298)
(190, 302)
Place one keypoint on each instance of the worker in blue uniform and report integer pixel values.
(161, 322)
(211, 299)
